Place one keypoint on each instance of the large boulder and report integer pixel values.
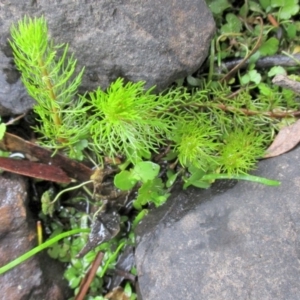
(236, 240)
(155, 41)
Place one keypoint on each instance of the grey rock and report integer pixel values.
(236, 240)
(13, 96)
(39, 277)
(155, 41)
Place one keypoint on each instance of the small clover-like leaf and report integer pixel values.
(245, 79)
(151, 191)
(255, 76)
(218, 6)
(53, 252)
(277, 3)
(291, 30)
(74, 282)
(269, 47)
(124, 180)
(251, 76)
(145, 170)
(265, 3)
(288, 8)
(233, 24)
(253, 6)
(76, 151)
(243, 10)
(276, 70)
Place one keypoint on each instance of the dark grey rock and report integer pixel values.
(155, 41)
(13, 96)
(234, 242)
(39, 277)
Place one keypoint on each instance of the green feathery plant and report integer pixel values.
(196, 142)
(240, 151)
(126, 120)
(201, 135)
(49, 79)
(205, 128)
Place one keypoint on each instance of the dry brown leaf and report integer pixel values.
(73, 168)
(33, 169)
(117, 294)
(287, 138)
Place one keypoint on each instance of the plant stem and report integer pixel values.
(55, 113)
(85, 285)
(39, 248)
(211, 60)
(247, 112)
(247, 177)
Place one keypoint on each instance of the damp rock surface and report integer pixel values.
(236, 240)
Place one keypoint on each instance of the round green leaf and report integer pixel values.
(145, 170)
(269, 47)
(276, 70)
(124, 181)
(254, 76)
